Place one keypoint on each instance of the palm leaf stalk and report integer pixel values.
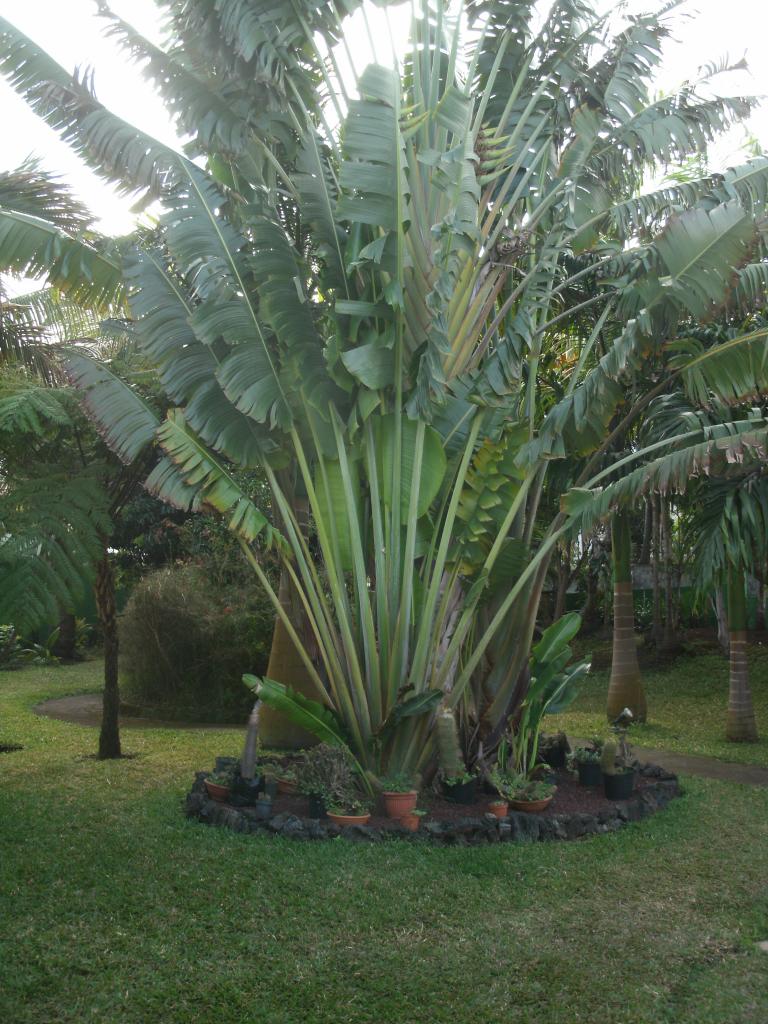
(383, 292)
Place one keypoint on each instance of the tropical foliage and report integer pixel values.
(425, 303)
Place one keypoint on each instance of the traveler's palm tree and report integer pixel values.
(363, 290)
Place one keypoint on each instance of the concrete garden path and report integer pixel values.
(695, 764)
(85, 709)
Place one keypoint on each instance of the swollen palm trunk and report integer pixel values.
(285, 666)
(625, 689)
(741, 727)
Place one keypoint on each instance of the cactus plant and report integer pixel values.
(448, 747)
(608, 758)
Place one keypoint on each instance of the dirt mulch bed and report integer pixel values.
(570, 798)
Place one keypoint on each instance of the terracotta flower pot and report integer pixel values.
(398, 805)
(217, 792)
(499, 807)
(531, 806)
(349, 819)
(411, 822)
(286, 786)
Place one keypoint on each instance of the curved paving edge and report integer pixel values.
(85, 709)
(516, 827)
(696, 764)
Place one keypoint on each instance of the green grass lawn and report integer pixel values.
(117, 909)
(687, 703)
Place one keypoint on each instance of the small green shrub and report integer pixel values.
(185, 644)
(12, 653)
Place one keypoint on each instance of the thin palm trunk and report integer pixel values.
(109, 737)
(563, 581)
(741, 726)
(669, 617)
(656, 629)
(625, 689)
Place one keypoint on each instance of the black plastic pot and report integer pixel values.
(317, 806)
(463, 793)
(619, 786)
(245, 792)
(590, 773)
(270, 787)
(263, 809)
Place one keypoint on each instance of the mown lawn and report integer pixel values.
(687, 704)
(116, 909)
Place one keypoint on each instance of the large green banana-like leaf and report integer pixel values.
(32, 247)
(30, 189)
(728, 450)
(700, 253)
(334, 506)
(372, 176)
(161, 309)
(221, 122)
(317, 718)
(216, 484)
(114, 149)
(126, 421)
(284, 305)
(433, 463)
(734, 371)
(701, 250)
(209, 251)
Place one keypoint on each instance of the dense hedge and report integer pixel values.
(185, 643)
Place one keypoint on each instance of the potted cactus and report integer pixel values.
(459, 785)
(587, 762)
(263, 806)
(618, 776)
(399, 795)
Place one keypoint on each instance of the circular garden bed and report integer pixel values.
(575, 811)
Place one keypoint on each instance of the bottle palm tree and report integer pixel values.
(365, 287)
(625, 688)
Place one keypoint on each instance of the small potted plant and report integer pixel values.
(263, 806)
(218, 785)
(349, 811)
(587, 762)
(459, 785)
(399, 795)
(412, 819)
(286, 781)
(530, 795)
(499, 807)
(461, 788)
(618, 775)
(323, 770)
(502, 783)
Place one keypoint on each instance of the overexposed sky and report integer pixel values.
(72, 33)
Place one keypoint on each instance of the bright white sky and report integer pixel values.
(71, 32)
